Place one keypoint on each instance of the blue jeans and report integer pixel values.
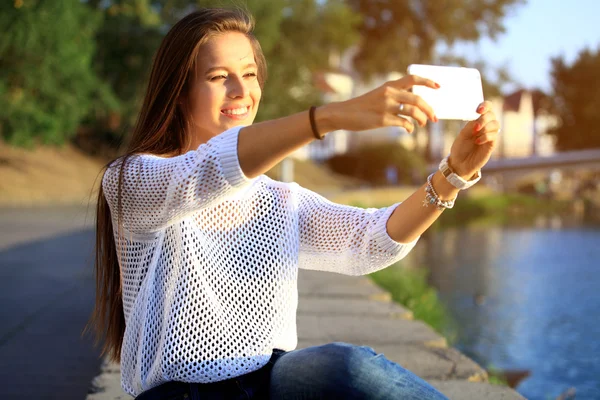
(331, 371)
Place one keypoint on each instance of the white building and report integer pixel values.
(526, 120)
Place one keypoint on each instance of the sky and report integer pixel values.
(538, 31)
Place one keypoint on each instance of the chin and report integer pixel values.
(233, 124)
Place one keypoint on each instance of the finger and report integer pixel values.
(408, 81)
(413, 112)
(417, 101)
(395, 120)
(484, 107)
(482, 121)
(407, 98)
(488, 137)
(489, 132)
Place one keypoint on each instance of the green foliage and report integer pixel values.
(400, 32)
(370, 163)
(129, 36)
(410, 288)
(47, 84)
(82, 66)
(500, 208)
(307, 33)
(496, 378)
(577, 100)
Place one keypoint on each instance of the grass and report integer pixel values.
(409, 287)
(500, 209)
(495, 376)
(47, 175)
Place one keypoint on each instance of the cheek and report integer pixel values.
(207, 99)
(256, 94)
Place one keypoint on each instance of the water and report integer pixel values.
(524, 299)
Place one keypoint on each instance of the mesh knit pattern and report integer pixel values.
(209, 261)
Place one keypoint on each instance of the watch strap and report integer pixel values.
(456, 180)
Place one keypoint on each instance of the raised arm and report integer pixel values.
(263, 145)
(470, 151)
(349, 240)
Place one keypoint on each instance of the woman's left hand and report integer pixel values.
(473, 147)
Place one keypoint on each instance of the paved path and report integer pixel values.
(46, 292)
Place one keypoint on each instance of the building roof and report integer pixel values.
(512, 102)
(541, 101)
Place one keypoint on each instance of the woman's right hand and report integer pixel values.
(381, 107)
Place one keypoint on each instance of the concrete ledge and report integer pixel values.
(355, 307)
(338, 308)
(364, 330)
(344, 287)
(107, 385)
(463, 390)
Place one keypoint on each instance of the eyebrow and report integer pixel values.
(208, 71)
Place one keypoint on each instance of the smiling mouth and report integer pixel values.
(236, 113)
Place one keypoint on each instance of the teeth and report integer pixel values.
(237, 111)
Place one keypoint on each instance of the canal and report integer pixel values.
(523, 299)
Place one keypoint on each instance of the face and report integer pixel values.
(225, 91)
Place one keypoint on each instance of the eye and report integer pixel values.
(252, 74)
(216, 78)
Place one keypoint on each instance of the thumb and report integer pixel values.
(469, 130)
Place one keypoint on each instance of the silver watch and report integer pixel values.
(455, 180)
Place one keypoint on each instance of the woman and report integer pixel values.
(198, 251)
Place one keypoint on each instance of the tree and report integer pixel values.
(370, 163)
(47, 84)
(126, 40)
(576, 92)
(396, 33)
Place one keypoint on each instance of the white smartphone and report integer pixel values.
(460, 91)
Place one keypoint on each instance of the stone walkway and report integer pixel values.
(353, 309)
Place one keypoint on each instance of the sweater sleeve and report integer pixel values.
(345, 239)
(157, 191)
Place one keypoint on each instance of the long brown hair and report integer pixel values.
(161, 129)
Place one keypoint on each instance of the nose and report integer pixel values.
(237, 87)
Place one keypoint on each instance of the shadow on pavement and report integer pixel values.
(47, 294)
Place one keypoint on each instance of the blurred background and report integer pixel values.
(510, 276)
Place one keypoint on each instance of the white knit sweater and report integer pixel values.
(210, 258)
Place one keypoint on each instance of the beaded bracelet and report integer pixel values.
(431, 197)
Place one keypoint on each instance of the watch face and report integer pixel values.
(458, 184)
